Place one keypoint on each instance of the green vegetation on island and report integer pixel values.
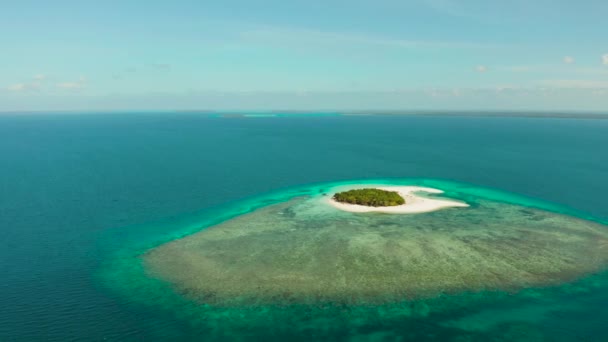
(370, 197)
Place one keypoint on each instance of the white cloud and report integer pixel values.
(605, 59)
(599, 71)
(481, 68)
(575, 84)
(77, 85)
(509, 89)
(568, 60)
(576, 72)
(19, 87)
(40, 77)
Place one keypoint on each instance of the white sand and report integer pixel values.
(413, 204)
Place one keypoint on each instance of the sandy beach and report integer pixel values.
(413, 204)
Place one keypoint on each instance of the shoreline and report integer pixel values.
(413, 204)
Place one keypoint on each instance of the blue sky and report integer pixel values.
(304, 55)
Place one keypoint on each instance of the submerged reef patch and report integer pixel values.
(303, 251)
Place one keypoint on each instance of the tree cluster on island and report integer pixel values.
(370, 197)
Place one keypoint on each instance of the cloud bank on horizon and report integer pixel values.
(304, 55)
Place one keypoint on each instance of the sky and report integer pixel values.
(304, 55)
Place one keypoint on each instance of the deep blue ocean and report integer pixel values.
(72, 185)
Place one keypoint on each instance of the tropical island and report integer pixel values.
(390, 200)
(370, 197)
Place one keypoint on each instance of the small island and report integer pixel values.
(370, 197)
(389, 199)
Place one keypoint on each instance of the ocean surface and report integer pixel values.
(82, 195)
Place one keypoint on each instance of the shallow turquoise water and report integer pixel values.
(78, 191)
(516, 315)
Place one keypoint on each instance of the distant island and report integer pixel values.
(370, 197)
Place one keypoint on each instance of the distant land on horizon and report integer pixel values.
(276, 113)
